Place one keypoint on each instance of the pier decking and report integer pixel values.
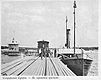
(35, 66)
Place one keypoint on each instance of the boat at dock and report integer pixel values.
(79, 62)
(75, 59)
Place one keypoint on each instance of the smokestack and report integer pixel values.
(67, 36)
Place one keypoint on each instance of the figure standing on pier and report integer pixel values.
(40, 53)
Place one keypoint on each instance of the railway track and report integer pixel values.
(57, 74)
(27, 67)
(38, 67)
(17, 68)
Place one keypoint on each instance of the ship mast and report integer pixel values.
(74, 23)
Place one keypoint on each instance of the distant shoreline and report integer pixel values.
(85, 48)
(88, 48)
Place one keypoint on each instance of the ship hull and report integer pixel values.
(79, 66)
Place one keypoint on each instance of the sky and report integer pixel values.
(32, 21)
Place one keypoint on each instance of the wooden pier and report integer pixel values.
(35, 66)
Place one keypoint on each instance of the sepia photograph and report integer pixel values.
(49, 38)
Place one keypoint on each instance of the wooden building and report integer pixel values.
(13, 48)
(43, 48)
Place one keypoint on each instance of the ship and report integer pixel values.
(79, 62)
(74, 58)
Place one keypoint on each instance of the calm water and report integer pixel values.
(94, 66)
(93, 54)
(7, 59)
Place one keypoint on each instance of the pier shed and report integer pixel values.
(43, 44)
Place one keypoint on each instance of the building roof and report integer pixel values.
(13, 42)
(43, 41)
